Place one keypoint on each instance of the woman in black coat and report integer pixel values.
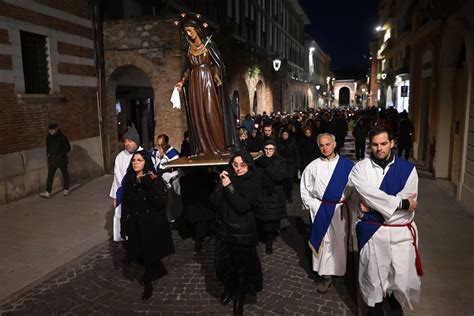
(144, 224)
(308, 148)
(235, 198)
(289, 151)
(272, 170)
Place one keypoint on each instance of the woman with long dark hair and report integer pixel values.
(144, 225)
(236, 260)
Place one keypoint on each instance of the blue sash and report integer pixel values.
(330, 199)
(393, 182)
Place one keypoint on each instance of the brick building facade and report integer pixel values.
(143, 53)
(47, 74)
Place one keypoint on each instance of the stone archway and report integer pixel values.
(163, 112)
(344, 96)
(340, 84)
(261, 96)
(240, 86)
(453, 114)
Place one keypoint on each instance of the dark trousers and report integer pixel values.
(51, 171)
(395, 307)
(360, 150)
(288, 187)
(405, 149)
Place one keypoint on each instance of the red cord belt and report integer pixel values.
(419, 268)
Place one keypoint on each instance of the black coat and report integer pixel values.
(289, 151)
(360, 133)
(405, 132)
(308, 151)
(196, 187)
(254, 144)
(57, 147)
(144, 220)
(235, 206)
(272, 172)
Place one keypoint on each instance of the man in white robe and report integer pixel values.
(327, 173)
(162, 154)
(390, 265)
(122, 161)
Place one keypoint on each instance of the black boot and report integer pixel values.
(269, 247)
(239, 304)
(147, 290)
(226, 296)
(198, 244)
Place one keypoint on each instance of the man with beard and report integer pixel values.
(390, 265)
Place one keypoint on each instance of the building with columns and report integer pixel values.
(144, 58)
(428, 46)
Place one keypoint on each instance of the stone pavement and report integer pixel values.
(99, 284)
(96, 283)
(38, 235)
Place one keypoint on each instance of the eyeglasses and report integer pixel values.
(269, 148)
(239, 165)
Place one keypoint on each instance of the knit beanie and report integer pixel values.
(132, 135)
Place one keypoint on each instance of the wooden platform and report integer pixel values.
(202, 161)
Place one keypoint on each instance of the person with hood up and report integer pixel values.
(235, 199)
(289, 151)
(272, 170)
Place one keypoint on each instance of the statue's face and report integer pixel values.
(191, 32)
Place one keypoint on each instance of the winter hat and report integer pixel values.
(269, 142)
(132, 135)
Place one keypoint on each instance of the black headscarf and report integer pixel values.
(131, 175)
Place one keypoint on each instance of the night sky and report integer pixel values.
(343, 29)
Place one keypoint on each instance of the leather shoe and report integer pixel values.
(238, 305)
(147, 291)
(325, 284)
(226, 297)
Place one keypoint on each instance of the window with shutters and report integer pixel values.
(34, 52)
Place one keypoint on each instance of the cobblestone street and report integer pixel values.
(98, 283)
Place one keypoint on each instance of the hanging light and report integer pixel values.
(276, 64)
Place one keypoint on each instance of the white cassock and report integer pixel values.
(122, 161)
(331, 259)
(387, 261)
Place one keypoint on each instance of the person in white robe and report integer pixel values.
(161, 155)
(329, 259)
(122, 161)
(390, 264)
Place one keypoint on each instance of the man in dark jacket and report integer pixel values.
(57, 148)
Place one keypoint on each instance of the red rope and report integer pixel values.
(418, 265)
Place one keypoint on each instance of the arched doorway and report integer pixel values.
(235, 104)
(453, 113)
(260, 97)
(389, 99)
(344, 96)
(134, 103)
(424, 152)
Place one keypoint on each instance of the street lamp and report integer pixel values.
(276, 64)
(378, 28)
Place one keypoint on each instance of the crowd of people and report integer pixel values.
(246, 202)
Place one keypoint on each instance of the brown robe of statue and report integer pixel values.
(205, 110)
